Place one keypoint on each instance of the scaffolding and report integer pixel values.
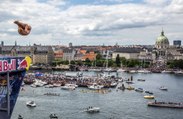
(7, 108)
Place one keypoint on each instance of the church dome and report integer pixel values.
(162, 41)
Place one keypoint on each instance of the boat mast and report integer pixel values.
(107, 59)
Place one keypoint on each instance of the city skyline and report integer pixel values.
(86, 22)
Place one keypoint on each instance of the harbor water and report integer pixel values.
(113, 105)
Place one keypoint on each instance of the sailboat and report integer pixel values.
(107, 69)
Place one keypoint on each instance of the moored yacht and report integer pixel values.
(143, 71)
(95, 86)
(178, 72)
(69, 87)
(121, 70)
(166, 71)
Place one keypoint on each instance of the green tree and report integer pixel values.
(118, 62)
(123, 61)
(80, 63)
(99, 63)
(99, 56)
(88, 62)
(110, 63)
(72, 62)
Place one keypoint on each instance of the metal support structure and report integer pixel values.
(8, 93)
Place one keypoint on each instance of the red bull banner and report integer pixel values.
(13, 64)
(12, 68)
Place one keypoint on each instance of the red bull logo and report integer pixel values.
(5, 66)
(23, 64)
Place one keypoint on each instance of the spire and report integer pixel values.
(162, 32)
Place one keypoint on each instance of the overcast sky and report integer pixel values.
(91, 22)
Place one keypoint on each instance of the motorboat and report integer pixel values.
(139, 90)
(129, 82)
(92, 109)
(122, 87)
(132, 71)
(52, 94)
(53, 116)
(68, 87)
(114, 84)
(130, 88)
(166, 104)
(149, 96)
(143, 71)
(38, 83)
(31, 104)
(141, 80)
(49, 86)
(94, 69)
(95, 86)
(70, 84)
(149, 92)
(178, 72)
(56, 85)
(167, 71)
(121, 70)
(20, 116)
(108, 70)
(163, 88)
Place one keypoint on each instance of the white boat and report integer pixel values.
(114, 84)
(68, 87)
(132, 71)
(163, 88)
(178, 72)
(49, 86)
(143, 71)
(108, 70)
(38, 83)
(95, 70)
(56, 85)
(95, 86)
(70, 84)
(121, 70)
(166, 71)
(92, 109)
(31, 104)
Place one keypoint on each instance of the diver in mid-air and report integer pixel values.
(23, 29)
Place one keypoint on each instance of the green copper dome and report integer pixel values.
(162, 41)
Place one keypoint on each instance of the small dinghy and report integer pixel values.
(53, 116)
(20, 116)
(92, 109)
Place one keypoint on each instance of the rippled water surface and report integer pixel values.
(114, 105)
